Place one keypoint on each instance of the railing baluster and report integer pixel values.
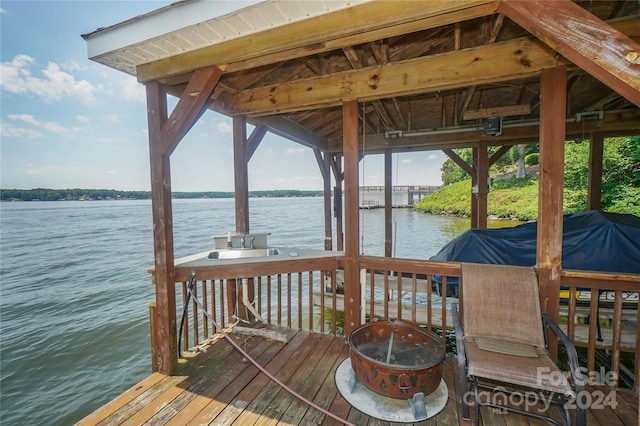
(617, 330)
(372, 295)
(444, 309)
(429, 301)
(333, 302)
(205, 320)
(194, 316)
(213, 306)
(310, 289)
(414, 290)
(399, 294)
(289, 300)
(593, 322)
(571, 317)
(223, 285)
(280, 299)
(269, 299)
(299, 300)
(386, 293)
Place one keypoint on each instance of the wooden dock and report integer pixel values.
(219, 387)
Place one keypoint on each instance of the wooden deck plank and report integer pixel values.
(215, 401)
(111, 407)
(232, 411)
(223, 389)
(190, 402)
(323, 369)
(143, 400)
(282, 401)
(265, 397)
(326, 393)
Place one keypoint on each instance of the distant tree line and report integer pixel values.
(44, 194)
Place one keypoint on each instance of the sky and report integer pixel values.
(68, 122)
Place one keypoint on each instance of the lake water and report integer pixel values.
(74, 291)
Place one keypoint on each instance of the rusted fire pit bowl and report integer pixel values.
(411, 364)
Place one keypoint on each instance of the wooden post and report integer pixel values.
(483, 186)
(324, 164)
(388, 192)
(550, 196)
(474, 182)
(352, 220)
(164, 353)
(596, 150)
(241, 173)
(337, 202)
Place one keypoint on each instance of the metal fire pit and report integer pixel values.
(397, 359)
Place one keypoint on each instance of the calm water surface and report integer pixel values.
(74, 291)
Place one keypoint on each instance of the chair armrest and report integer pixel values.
(572, 355)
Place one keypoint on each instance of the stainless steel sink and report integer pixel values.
(242, 253)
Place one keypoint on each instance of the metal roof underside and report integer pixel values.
(426, 73)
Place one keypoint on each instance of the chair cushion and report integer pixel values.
(536, 373)
(507, 347)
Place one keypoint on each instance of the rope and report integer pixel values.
(255, 363)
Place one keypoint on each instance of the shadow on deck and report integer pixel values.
(220, 387)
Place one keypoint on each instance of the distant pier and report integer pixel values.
(372, 197)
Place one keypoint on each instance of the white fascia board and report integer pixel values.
(159, 22)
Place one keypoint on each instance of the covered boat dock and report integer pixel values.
(352, 78)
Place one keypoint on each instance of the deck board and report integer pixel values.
(220, 387)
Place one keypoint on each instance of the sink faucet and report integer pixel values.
(242, 240)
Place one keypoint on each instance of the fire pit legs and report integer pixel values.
(418, 407)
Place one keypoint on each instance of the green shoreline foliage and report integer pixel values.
(518, 198)
(44, 194)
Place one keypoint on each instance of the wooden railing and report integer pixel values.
(616, 337)
(281, 295)
(305, 294)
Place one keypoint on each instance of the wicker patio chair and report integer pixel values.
(502, 345)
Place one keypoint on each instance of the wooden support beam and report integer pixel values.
(506, 111)
(550, 196)
(498, 154)
(190, 107)
(352, 219)
(325, 168)
(388, 192)
(164, 351)
(470, 169)
(474, 182)
(579, 36)
(518, 59)
(622, 122)
(483, 184)
(241, 175)
(254, 139)
(596, 151)
(336, 166)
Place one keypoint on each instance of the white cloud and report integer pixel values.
(54, 127)
(294, 151)
(433, 157)
(56, 84)
(112, 118)
(8, 130)
(223, 126)
(83, 118)
(406, 161)
(27, 118)
(2, 11)
(132, 91)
